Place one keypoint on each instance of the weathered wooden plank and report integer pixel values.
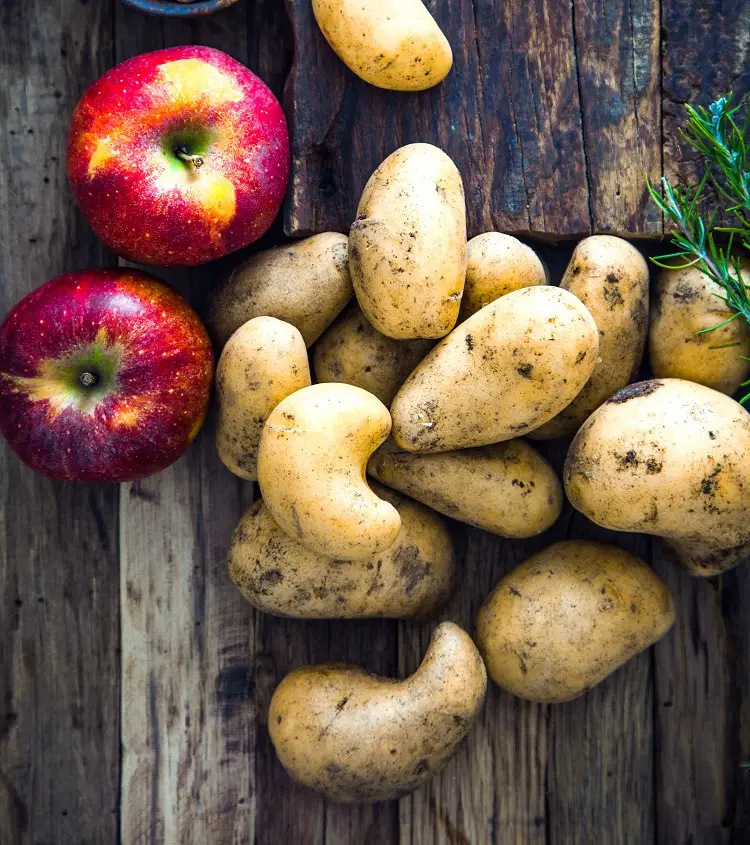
(702, 687)
(508, 114)
(59, 649)
(617, 47)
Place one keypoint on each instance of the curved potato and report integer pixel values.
(570, 615)
(354, 352)
(610, 277)
(412, 578)
(407, 246)
(263, 362)
(504, 372)
(670, 458)
(392, 44)
(356, 737)
(498, 264)
(508, 489)
(311, 470)
(685, 303)
(306, 284)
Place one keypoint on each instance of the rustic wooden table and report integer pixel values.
(134, 680)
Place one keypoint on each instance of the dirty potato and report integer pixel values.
(306, 284)
(263, 362)
(407, 246)
(559, 623)
(357, 737)
(610, 277)
(412, 578)
(503, 372)
(671, 458)
(354, 352)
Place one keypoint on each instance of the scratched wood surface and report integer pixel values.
(134, 681)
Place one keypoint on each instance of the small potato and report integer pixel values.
(306, 284)
(392, 44)
(353, 352)
(686, 302)
(559, 623)
(498, 264)
(508, 489)
(504, 372)
(357, 737)
(671, 458)
(263, 362)
(412, 578)
(610, 277)
(311, 470)
(407, 246)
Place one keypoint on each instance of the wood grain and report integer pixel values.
(59, 654)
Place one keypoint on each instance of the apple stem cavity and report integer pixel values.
(184, 155)
(88, 379)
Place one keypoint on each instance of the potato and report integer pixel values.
(412, 578)
(508, 489)
(407, 246)
(504, 372)
(671, 458)
(311, 470)
(353, 352)
(356, 737)
(498, 264)
(263, 362)
(610, 277)
(306, 284)
(392, 44)
(559, 623)
(686, 302)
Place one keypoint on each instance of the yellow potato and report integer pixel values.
(353, 352)
(504, 372)
(263, 362)
(311, 470)
(412, 578)
(671, 458)
(610, 277)
(392, 44)
(559, 623)
(686, 302)
(498, 264)
(306, 284)
(508, 489)
(407, 246)
(357, 737)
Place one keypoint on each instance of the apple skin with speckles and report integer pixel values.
(178, 156)
(105, 376)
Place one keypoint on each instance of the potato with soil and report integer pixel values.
(263, 362)
(412, 578)
(357, 737)
(610, 277)
(306, 284)
(311, 469)
(394, 44)
(570, 615)
(354, 352)
(686, 302)
(498, 264)
(502, 373)
(671, 458)
(407, 245)
(508, 488)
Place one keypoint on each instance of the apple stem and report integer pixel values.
(88, 379)
(184, 155)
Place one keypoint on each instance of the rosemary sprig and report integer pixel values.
(714, 133)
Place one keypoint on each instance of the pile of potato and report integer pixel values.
(449, 354)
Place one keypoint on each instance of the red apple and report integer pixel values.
(105, 375)
(178, 156)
